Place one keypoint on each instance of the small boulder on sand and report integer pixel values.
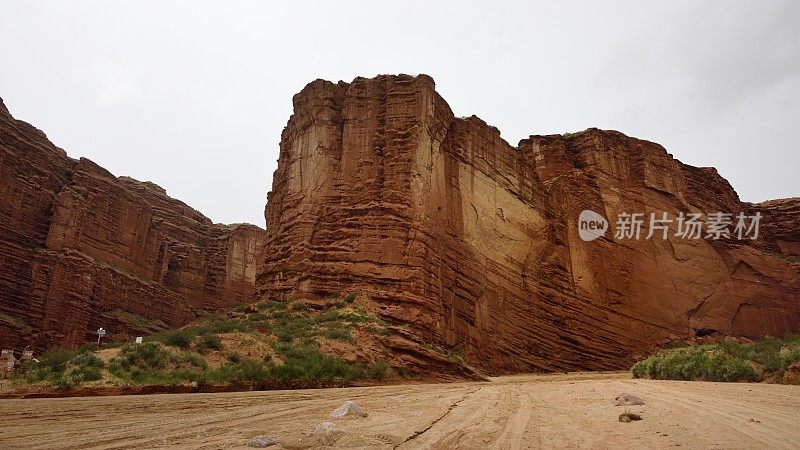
(348, 408)
(327, 427)
(627, 399)
(629, 417)
(326, 434)
(262, 442)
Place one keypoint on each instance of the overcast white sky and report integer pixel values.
(193, 95)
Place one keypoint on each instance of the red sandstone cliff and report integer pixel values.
(473, 242)
(81, 248)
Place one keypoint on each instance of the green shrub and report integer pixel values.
(89, 347)
(791, 357)
(403, 372)
(241, 371)
(377, 370)
(56, 359)
(82, 374)
(175, 338)
(146, 356)
(37, 373)
(280, 314)
(66, 380)
(249, 370)
(258, 317)
(284, 336)
(211, 341)
(308, 362)
(694, 363)
(293, 326)
(456, 354)
(791, 339)
(642, 368)
(192, 360)
(271, 304)
(88, 360)
(298, 306)
(222, 326)
(765, 353)
(330, 315)
(233, 357)
(351, 297)
(338, 334)
(65, 368)
(151, 363)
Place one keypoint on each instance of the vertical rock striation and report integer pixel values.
(473, 242)
(81, 248)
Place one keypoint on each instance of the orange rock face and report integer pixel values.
(474, 243)
(81, 248)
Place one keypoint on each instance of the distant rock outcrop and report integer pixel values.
(473, 243)
(81, 248)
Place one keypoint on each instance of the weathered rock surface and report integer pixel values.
(81, 248)
(627, 399)
(262, 442)
(348, 409)
(327, 427)
(473, 242)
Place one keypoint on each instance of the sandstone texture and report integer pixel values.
(81, 248)
(473, 243)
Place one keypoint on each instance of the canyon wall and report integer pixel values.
(81, 248)
(473, 243)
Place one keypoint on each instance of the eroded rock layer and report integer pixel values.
(81, 248)
(474, 243)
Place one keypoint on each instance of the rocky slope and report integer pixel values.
(473, 243)
(81, 248)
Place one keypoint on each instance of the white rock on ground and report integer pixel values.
(348, 408)
(327, 427)
(263, 441)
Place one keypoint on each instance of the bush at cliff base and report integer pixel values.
(725, 361)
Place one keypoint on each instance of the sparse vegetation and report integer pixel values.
(209, 341)
(377, 370)
(725, 361)
(154, 363)
(298, 306)
(790, 259)
(276, 342)
(456, 354)
(338, 334)
(65, 368)
(271, 304)
(176, 338)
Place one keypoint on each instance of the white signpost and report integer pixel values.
(100, 333)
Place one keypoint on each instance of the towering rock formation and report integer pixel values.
(81, 248)
(474, 243)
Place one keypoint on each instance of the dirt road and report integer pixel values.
(565, 411)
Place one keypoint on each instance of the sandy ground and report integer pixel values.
(562, 411)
